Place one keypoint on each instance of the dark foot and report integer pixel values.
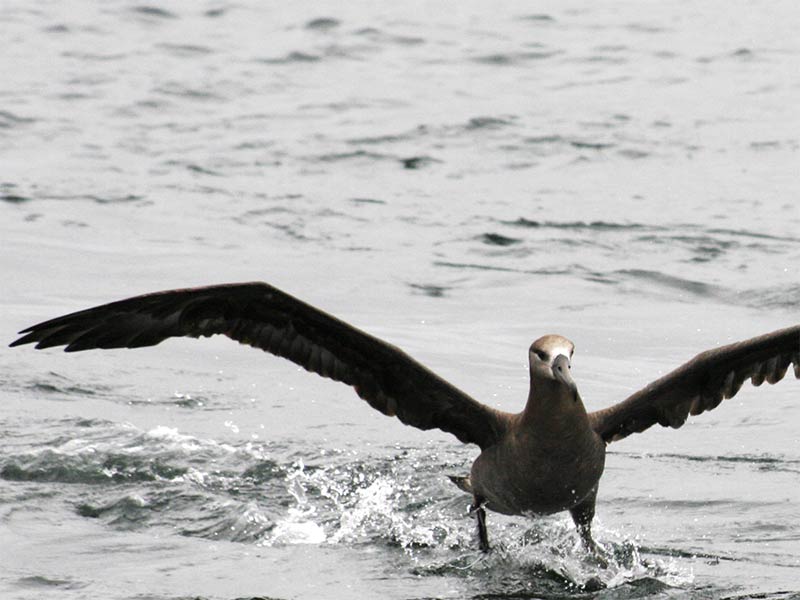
(596, 554)
(480, 514)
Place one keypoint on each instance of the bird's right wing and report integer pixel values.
(264, 317)
(701, 384)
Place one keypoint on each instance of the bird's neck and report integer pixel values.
(553, 408)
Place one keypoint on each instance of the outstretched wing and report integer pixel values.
(264, 317)
(701, 384)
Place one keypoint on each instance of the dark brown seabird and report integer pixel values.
(546, 459)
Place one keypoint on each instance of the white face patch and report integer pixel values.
(565, 350)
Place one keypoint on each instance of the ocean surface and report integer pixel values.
(457, 178)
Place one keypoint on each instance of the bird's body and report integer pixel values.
(539, 470)
(545, 459)
(549, 459)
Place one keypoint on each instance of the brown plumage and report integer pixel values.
(701, 384)
(547, 458)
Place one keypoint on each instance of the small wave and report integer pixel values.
(589, 225)
(417, 162)
(9, 120)
(779, 296)
(191, 511)
(431, 290)
(58, 385)
(472, 125)
(87, 468)
(760, 460)
(766, 145)
(187, 50)
(174, 88)
(753, 234)
(698, 288)
(633, 153)
(106, 199)
(46, 583)
(125, 509)
(57, 28)
(586, 145)
(487, 123)
(322, 24)
(514, 58)
(367, 201)
(704, 247)
(389, 138)
(543, 139)
(153, 11)
(92, 57)
(108, 454)
(114, 199)
(235, 522)
(71, 390)
(501, 269)
(194, 168)
(292, 58)
(14, 198)
(645, 28)
(496, 239)
(377, 35)
(353, 155)
(181, 400)
(538, 18)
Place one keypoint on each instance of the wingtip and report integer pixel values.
(25, 339)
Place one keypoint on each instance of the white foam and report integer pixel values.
(297, 529)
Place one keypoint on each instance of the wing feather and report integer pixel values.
(264, 317)
(702, 384)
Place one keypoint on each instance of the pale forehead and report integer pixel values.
(554, 344)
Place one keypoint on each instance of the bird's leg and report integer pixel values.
(582, 515)
(480, 515)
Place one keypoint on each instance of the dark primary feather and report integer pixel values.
(264, 317)
(701, 384)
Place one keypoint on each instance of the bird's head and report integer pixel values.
(550, 359)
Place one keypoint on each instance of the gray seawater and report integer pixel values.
(458, 178)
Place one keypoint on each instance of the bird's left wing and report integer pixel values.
(701, 384)
(264, 317)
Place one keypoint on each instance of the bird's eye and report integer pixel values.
(541, 354)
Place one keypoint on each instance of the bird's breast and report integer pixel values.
(522, 475)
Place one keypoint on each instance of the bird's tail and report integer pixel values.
(462, 481)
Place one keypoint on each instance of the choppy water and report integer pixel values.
(456, 178)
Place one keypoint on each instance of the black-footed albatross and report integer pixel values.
(545, 459)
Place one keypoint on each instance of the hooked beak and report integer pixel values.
(561, 371)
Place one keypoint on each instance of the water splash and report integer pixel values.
(355, 503)
(299, 525)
